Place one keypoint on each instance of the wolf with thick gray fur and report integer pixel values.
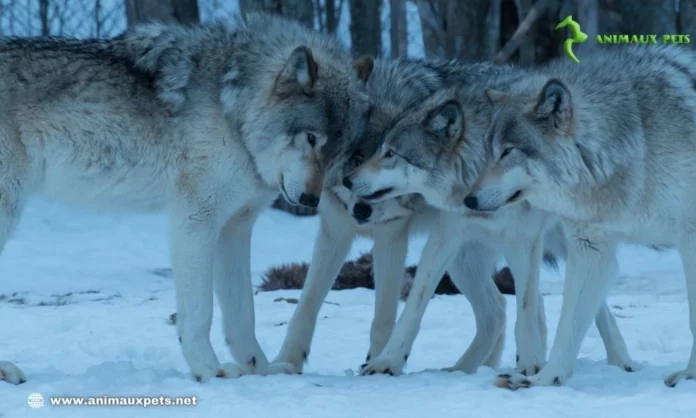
(208, 123)
(398, 88)
(607, 145)
(394, 86)
(437, 149)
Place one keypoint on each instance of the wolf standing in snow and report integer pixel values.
(436, 149)
(608, 145)
(400, 91)
(207, 122)
(394, 86)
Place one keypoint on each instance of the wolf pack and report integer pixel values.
(210, 122)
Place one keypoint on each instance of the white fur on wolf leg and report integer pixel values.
(673, 379)
(230, 371)
(277, 367)
(379, 336)
(331, 247)
(11, 373)
(440, 249)
(389, 256)
(591, 267)
(687, 253)
(617, 353)
(471, 271)
(524, 259)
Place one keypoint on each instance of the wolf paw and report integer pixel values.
(279, 367)
(291, 361)
(673, 379)
(528, 370)
(223, 371)
(626, 365)
(517, 381)
(11, 373)
(629, 367)
(383, 365)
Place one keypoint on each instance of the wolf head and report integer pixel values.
(394, 86)
(308, 103)
(529, 146)
(427, 152)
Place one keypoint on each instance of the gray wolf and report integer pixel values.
(437, 150)
(605, 145)
(208, 123)
(397, 88)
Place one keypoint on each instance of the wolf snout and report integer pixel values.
(347, 183)
(362, 212)
(471, 202)
(309, 200)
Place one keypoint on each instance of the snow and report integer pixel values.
(85, 312)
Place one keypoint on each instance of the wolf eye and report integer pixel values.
(390, 153)
(505, 153)
(312, 139)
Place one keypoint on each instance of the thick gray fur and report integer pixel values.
(208, 122)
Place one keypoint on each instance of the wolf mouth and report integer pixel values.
(284, 192)
(515, 197)
(379, 193)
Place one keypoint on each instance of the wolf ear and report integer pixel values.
(446, 121)
(554, 106)
(496, 97)
(363, 66)
(300, 69)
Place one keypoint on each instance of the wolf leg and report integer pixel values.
(232, 277)
(617, 353)
(193, 242)
(591, 267)
(389, 255)
(11, 205)
(13, 164)
(524, 261)
(331, 247)
(471, 272)
(11, 373)
(439, 251)
(687, 252)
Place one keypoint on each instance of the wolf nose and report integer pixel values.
(471, 202)
(347, 183)
(309, 200)
(362, 211)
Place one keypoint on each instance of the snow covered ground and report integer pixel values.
(84, 308)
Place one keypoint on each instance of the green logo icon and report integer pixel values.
(577, 36)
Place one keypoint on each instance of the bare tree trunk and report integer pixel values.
(398, 31)
(302, 10)
(467, 29)
(366, 27)
(687, 20)
(43, 16)
(267, 6)
(527, 51)
(331, 16)
(454, 29)
(97, 18)
(588, 13)
(305, 12)
(182, 11)
(492, 40)
(523, 30)
(647, 16)
(432, 28)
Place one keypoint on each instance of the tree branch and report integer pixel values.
(511, 46)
